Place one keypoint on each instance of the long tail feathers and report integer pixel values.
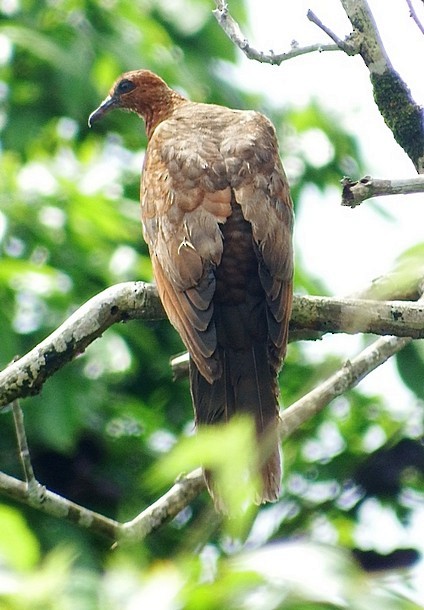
(247, 386)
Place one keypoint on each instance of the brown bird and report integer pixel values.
(217, 217)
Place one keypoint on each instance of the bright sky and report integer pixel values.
(362, 241)
(344, 247)
(349, 248)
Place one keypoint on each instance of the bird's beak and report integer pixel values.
(108, 104)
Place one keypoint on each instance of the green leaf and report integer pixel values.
(410, 364)
(19, 548)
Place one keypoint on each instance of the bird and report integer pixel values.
(217, 217)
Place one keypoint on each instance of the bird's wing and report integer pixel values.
(256, 176)
(190, 178)
(185, 195)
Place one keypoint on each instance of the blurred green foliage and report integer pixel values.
(69, 228)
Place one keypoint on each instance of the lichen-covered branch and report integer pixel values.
(347, 377)
(311, 316)
(356, 191)
(402, 115)
(163, 510)
(234, 33)
(187, 488)
(166, 508)
(59, 507)
(400, 318)
(121, 302)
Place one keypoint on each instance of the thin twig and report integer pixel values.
(234, 33)
(343, 45)
(414, 16)
(344, 379)
(34, 488)
(163, 510)
(356, 191)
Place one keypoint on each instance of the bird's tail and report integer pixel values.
(247, 386)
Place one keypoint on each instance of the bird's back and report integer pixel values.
(226, 281)
(217, 217)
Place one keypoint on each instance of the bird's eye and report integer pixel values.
(125, 86)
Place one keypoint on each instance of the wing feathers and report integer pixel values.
(193, 171)
(201, 345)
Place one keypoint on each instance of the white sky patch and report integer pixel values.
(101, 176)
(378, 528)
(3, 226)
(35, 283)
(35, 179)
(67, 128)
(327, 444)
(279, 564)
(6, 50)
(66, 164)
(347, 248)
(373, 438)
(122, 261)
(9, 7)
(316, 147)
(52, 217)
(161, 441)
(106, 175)
(112, 356)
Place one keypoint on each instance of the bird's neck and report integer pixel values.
(158, 110)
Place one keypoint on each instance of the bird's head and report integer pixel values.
(140, 91)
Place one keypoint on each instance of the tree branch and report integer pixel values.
(311, 316)
(234, 33)
(401, 114)
(351, 373)
(344, 45)
(160, 512)
(347, 377)
(325, 314)
(187, 488)
(122, 302)
(56, 506)
(184, 491)
(33, 494)
(414, 16)
(356, 191)
(33, 487)
(314, 316)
